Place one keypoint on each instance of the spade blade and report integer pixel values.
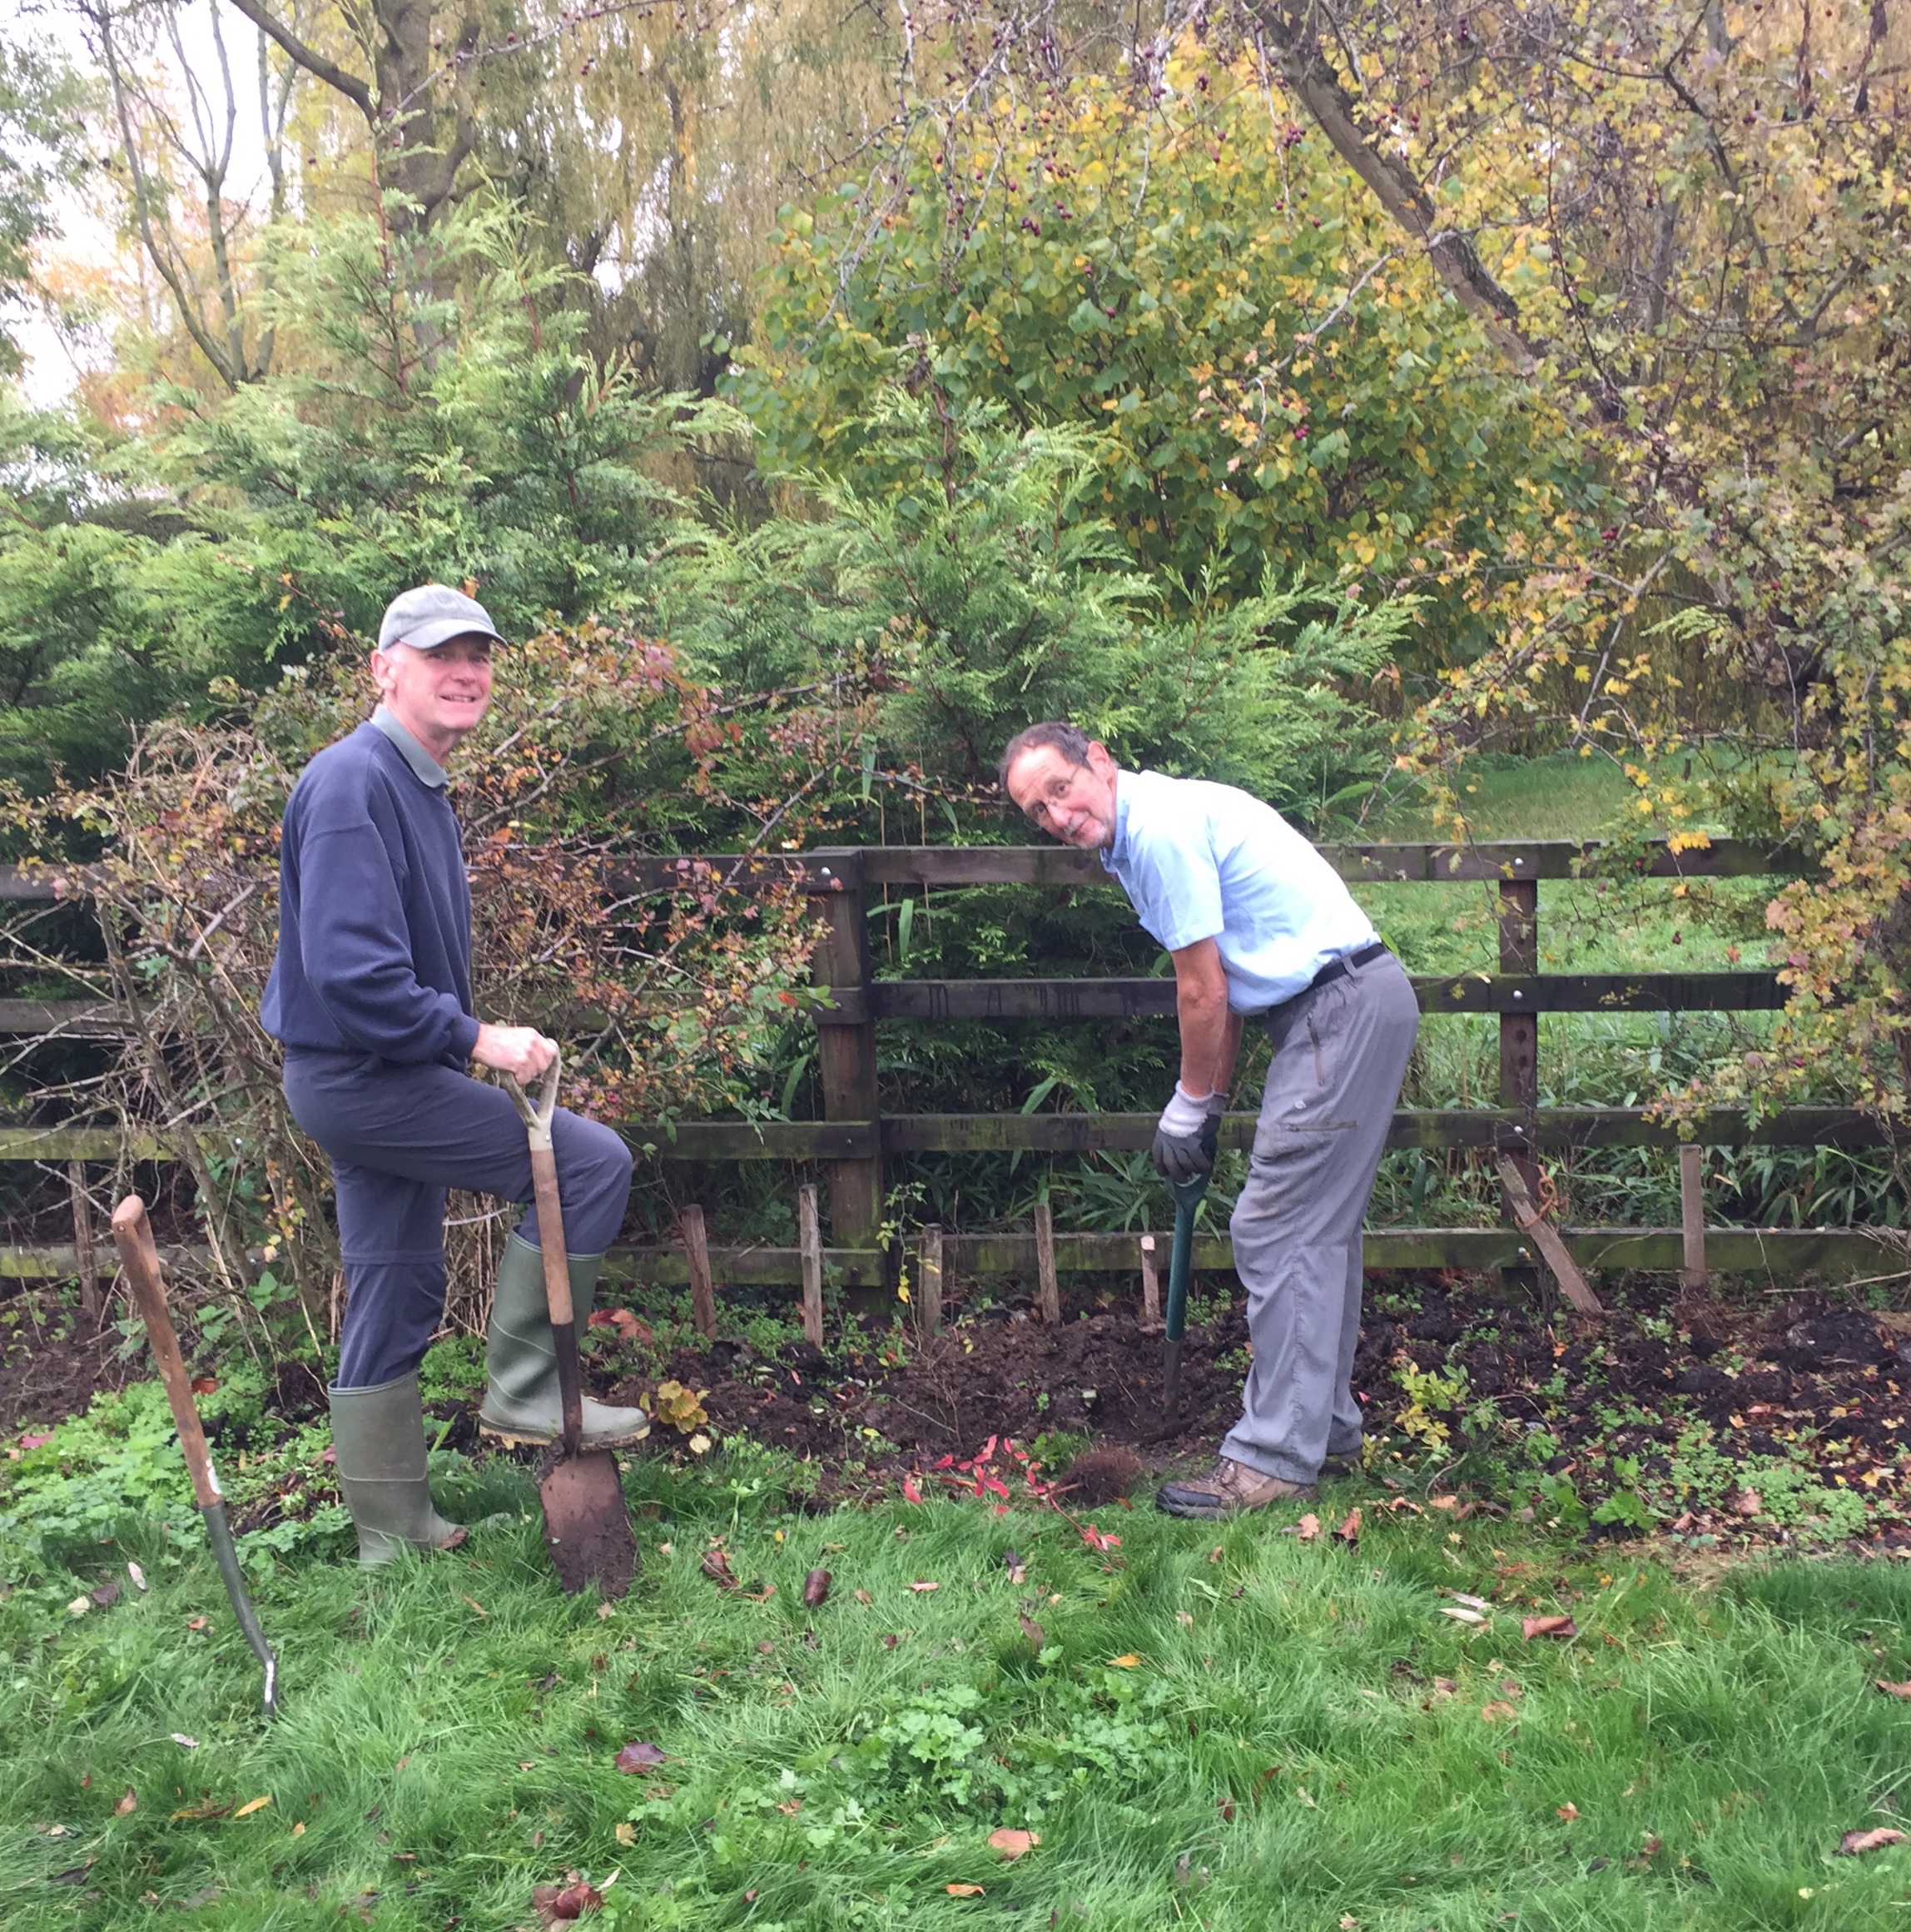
(586, 1524)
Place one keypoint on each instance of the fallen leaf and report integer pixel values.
(1031, 1630)
(1098, 1539)
(1853, 1842)
(1569, 1812)
(1308, 1527)
(198, 1622)
(35, 1442)
(910, 1493)
(137, 1575)
(477, 1606)
(1349, 1531)
(717, 1569)
(919, 1584)
(1185, 1619)
(1018, 1571)
(1461, 1616)
(252, 1805)
(1128, 1661)
(1683, 1522)
(1225, 1805)
(964, 1891)
(1471, 1602)
(864, 1597)
(1891, 1690)
(561, 1904)
(1442, 1502)
(298, 1829)
(79, 1607)
(106, 1594)
(205, 1810)
(626, 1832)
(638, 1755)
(179, 1737)
(1747, 1503)
(1215, 1555)
(1013, 1844)
(816, 1587)
(1559, 1626)
(1493, 1713)
(204, 1384)
(129, 1803)
(1444, 1687)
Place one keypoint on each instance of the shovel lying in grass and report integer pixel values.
(132, 1235)
(1181, 1264)
(586, 1524)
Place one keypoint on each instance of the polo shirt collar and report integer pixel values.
(425, 769)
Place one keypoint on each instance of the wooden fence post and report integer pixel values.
(810, 1241)
(929, 1284)
(89, 1267)
(1150, 1285)
(845, 1044)
(697, 1257)
(1519, 1043)
(1695, 1278)
(1048, 1300)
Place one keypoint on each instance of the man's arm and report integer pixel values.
(1210, 1034)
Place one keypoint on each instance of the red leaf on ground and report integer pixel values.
(562, 1905)
(197, 1623)
(1559, 1626)
(105, 1594)
(920, 1584)
(1012, 1843)
(1569, 1812)
(638, 1755)
(1891, 1690)
(601, 1318)
(1747, 1503)
(1854, 1842)
(204, 1384)
(1309, 1528)
(910, 1493)
(35, 1442)
(717, 1569)
(816, 1587)
(1349, 1531)
(129, 1803)
(1496, 1710)
(964, 1891)
(1100, 1539)
(1683, 1522)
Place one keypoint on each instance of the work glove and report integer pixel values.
(1188, 1136)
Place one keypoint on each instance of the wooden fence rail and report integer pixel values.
(854, 1139)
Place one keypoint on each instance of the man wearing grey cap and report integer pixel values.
(371, 995)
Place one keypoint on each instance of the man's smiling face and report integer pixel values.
(1075, 803)
(438, 696)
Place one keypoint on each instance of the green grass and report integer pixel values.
(1284, 1754)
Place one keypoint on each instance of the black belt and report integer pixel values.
(1335, 969)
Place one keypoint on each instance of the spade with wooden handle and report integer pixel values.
(132, 1234)
(586, 1523)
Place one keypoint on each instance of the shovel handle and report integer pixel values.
(132, 1235)
(1181, 1260)
(537, 1115)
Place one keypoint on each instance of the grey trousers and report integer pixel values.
(1340, 1055)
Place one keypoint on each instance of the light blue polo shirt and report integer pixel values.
(1201, 860)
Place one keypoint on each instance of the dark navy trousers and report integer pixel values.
(398, 1137)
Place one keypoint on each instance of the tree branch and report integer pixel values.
(1307, 74)
(357, 91)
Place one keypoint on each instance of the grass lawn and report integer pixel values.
(1212, 1726)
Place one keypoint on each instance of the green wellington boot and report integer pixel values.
(521, 1365)
(378, 1436)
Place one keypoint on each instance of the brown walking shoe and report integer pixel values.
(1227, 1489)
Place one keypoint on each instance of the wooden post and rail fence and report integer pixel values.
(857, 1147)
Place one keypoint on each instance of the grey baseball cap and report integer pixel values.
(432, 615)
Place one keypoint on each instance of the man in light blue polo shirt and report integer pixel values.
(1257, 923)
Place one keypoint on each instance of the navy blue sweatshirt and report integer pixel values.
(375, 911)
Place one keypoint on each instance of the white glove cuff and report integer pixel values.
(1184, 1117)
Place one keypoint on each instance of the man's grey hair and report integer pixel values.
(1070, 740)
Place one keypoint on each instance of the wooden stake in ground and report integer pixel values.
(810, 1240)
(89, 1267)
(697, 1257)
(1695, 1278)
(1048, 1300)
(1150, 1285)
(1529, 1220)
(929, 1284)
